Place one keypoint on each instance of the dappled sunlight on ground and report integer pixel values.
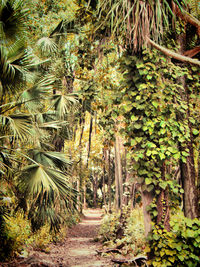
(79, 248)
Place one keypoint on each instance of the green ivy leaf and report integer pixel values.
(155, 104)
(162, 156)
(148, 181)
(195, 131)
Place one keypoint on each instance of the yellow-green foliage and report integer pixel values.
(41, 238)
(134, 233)
(18, 236)
(133, 240)
(180, 247)
(109, 227)
(17, 233)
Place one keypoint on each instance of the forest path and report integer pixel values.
(79, 247)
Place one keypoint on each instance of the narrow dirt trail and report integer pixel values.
(79, 247)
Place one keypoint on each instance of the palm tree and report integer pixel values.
(36, 175)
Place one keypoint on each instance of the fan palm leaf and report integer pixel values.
(50, 158)
(63, 104)
(47, 188)
(14, 68)
(39, 91)
(47, 46)
(12, 18)
(19, 125)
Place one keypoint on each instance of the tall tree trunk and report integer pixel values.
(162, 204)
(118, 174)
(188, 173)
(95, 187)
(109, 182)
(84, 197)
(80, 169)
(90, 138)
(132, 195)
(147, 198)
(104, 175)
(126, 197)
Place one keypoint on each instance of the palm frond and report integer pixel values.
(50, 158)
(63, 104)
(134, 20)
(52, 124)
(20, 126)
(14, 66)
(12, 19)
(39, 91)
(47, 46)
(47, 188)
(195, 8)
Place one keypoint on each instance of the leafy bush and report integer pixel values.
(180, 247)
(41, 238)
(132, 241)
(17, 236)
(109, 226)
(16, 233)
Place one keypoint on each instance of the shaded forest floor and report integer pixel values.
(78, 249)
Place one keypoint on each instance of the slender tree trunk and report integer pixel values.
(188, 172)
(90, 138)
(126, 187)
(109, 182)
(80, 169)
(95, 186)
(84, 197)
(118, 174)
(78, 197)
(132, 196)
(104, 175)
(117, 200)
(163, 205)
(147, 198)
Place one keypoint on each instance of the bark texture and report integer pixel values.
(147, 198)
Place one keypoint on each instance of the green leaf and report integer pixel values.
(155, 104)
(163, 184)
(137, 125)
(148, 153)
(155, 213)
(134, 118)
(195, 131)
(148, 181)
(162, 124)
(162, 156)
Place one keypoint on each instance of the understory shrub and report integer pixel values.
(132, 240)
(16, 235)
(180, 247)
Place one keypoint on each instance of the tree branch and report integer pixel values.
(173, 54)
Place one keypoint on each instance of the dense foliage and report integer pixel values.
(99, 106)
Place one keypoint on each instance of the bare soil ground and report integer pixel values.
(78, 248)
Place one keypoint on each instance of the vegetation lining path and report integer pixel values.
(78, 249)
